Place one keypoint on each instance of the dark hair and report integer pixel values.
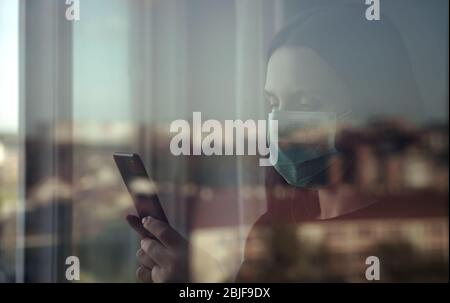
(369, 56)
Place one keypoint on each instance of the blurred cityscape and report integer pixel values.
(96, 202)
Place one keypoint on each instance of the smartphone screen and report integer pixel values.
(140, 186)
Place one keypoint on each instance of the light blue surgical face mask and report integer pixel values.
(306, 142)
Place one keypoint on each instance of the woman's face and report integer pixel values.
(306, 95)
(298, 79)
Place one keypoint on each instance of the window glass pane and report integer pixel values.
(9, 152)
(287, 140)
(102, 124)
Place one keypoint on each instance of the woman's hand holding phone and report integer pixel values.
(163, 259)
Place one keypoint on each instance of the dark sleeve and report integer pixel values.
(244, 272)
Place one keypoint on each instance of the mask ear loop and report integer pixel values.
(340, 117)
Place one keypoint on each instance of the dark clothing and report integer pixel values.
(298, 206)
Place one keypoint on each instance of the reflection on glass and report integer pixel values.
(346, 137)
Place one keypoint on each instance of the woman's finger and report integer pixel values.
(136, 224)
(144, 274)
(144, 259)
(163, 232)
(156, 251)
(158, 275)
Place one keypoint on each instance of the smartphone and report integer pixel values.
(142, 190)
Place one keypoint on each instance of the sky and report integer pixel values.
(100, 62)
(9, 66)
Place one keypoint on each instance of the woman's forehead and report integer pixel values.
(294, 69)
